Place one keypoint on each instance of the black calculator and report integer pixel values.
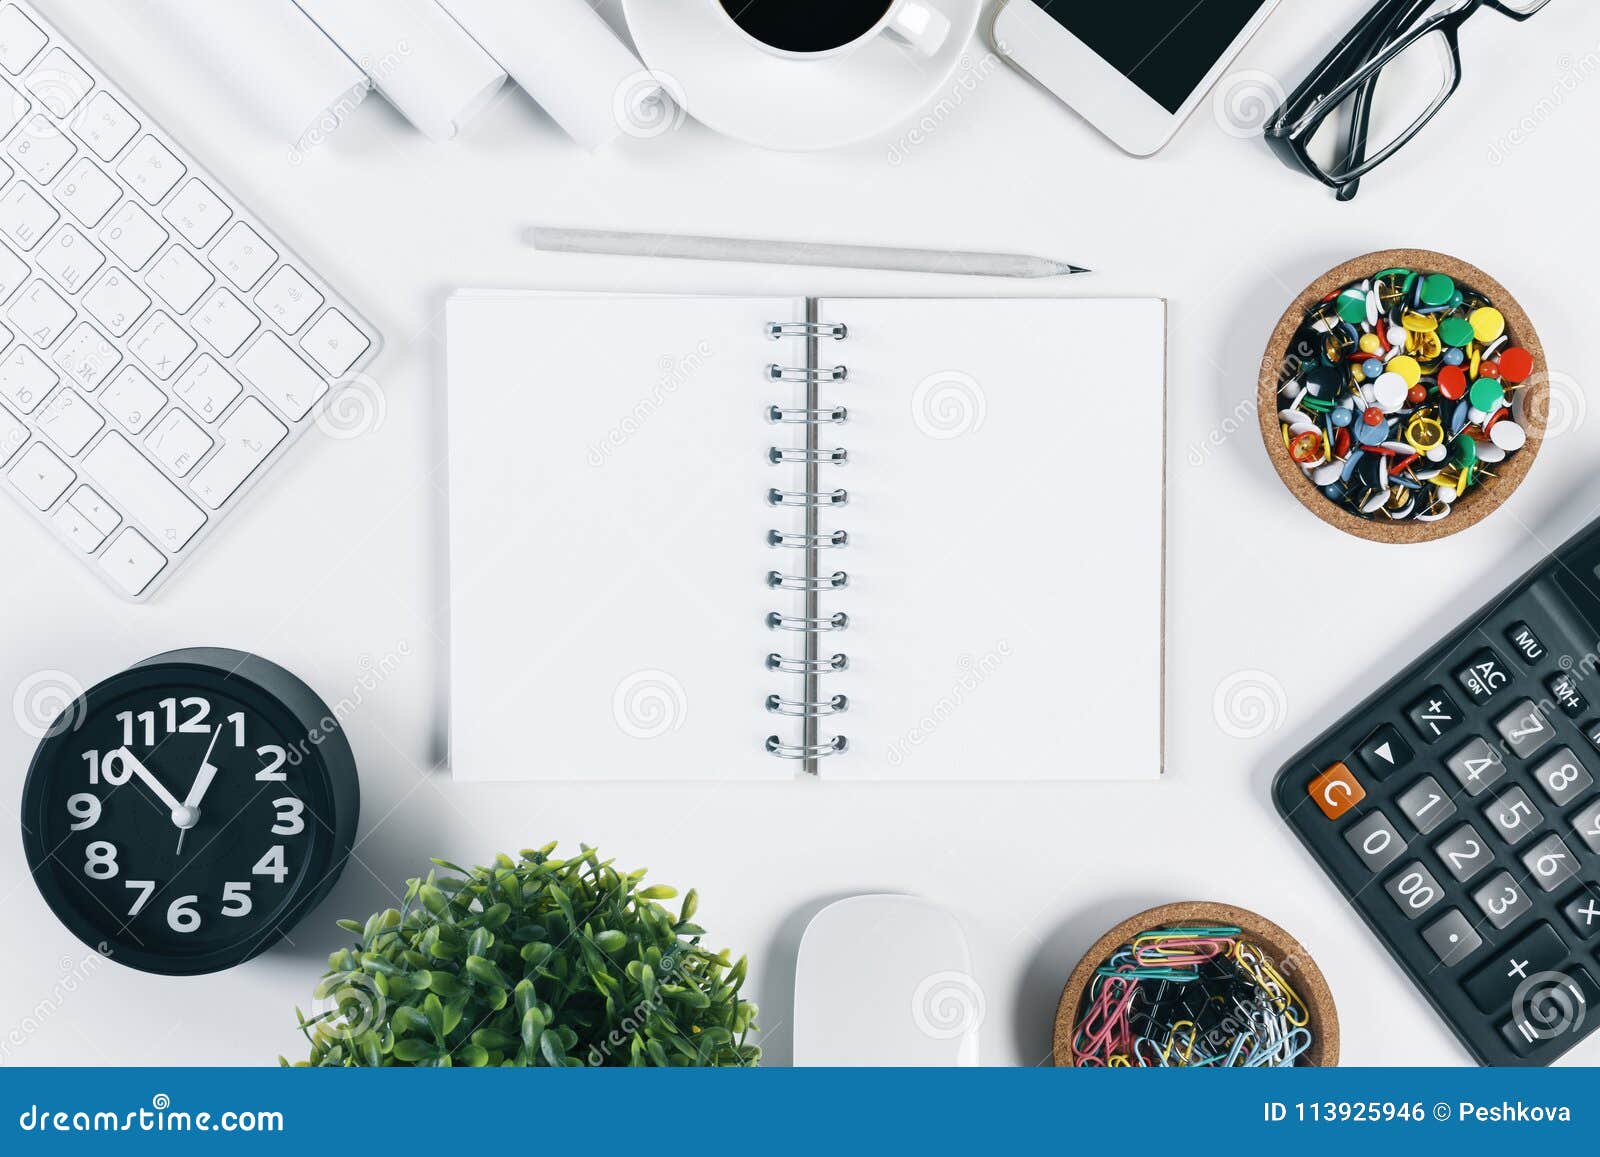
(1458, 809)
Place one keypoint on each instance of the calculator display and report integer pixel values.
(1166, 47)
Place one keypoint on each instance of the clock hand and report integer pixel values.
(208, 772)
(152, 783)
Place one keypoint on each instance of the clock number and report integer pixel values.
(272, 864)
(128, 718)
(113, 768)
(237, 719)
(182, 915)
(236, 892)
(275, 757)
(289, 822)
(146, 887)
(85, 808)
(192, 725)
(100, 862)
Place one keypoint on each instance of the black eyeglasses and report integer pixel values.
(1334, 126)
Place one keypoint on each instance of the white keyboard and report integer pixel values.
(160, 348)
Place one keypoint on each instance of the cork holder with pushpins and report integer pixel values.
(1403, 396)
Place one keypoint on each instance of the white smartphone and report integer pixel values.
(1135, 69)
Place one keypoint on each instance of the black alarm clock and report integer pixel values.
(182, 815)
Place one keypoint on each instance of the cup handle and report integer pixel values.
(920, 26)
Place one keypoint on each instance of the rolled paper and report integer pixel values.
(569, 60)
(416, 55)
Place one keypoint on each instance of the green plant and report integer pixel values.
(533, 961)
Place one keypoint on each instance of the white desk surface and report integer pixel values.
(339, 561)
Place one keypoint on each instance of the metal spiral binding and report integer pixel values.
(811, 665)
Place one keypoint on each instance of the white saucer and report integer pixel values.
(729, 84)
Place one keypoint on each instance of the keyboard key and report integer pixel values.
(133, 235)
(197, 213)
(86, 357)
(178, 442)
(87, 193)
(132, 399)
(1375, 841)
(334, 343)
(150, 169)
(13, 107)
(41, 150)
(243, 256)
(1583, 912)
(13, 435)
(41, 476)
(1563, 778)
(1587, 826)
(116, 302)
(1492, 986)
(178, 279)
(286, 381)
(1563, 689)
(162, 344)
(1514, 816)
(59, 83)
(1414, 890)
(83, 517)
(1550, 863)
(1502, 900)
(40, 314)
(25, 380)
(1483, 675)
(20, 40)
(1525, 729)
(1383, 751)
(1452, 938)
(13, 272)
(25, 216)
(131, 561)
(1464, 853)
(132, 484)
(105, 126)
(288, 299)
(207, 387)
(70, 258)
(69, 421)
(225, 322)
(248, 435)
(1554, 1007)
(1476, 766)
(1434, 714)
(1426, 805)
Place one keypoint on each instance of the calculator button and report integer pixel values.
(1525, 728)
(1556, 1005)
(1464, 853)
(1383, 751)
(1563, 689)
(1550, 863)
(1563, 778)
(1502, 900)
(1452, 938)
(1525, 643)
(1477, 766)
(1426, 805)
(1483, 675)
(1434, 714)
(1336, 791)
(1587, 824)
(1583, 912)
(1414, 890)
(1592, 731)
(1375, 841)
(1514, 816)
(1492, 986)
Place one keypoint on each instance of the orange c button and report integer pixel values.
(1336, 791)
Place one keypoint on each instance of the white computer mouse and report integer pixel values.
(886, 981)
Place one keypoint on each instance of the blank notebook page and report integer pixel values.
(1006, 515)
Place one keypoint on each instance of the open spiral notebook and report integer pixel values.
(761, 537)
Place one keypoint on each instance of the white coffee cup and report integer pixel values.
(917, 24)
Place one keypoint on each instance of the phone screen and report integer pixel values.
(1166, 47)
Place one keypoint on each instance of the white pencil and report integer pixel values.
(795, 253)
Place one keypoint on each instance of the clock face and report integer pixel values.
(185, 821)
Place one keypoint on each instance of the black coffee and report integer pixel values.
(806, 25)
